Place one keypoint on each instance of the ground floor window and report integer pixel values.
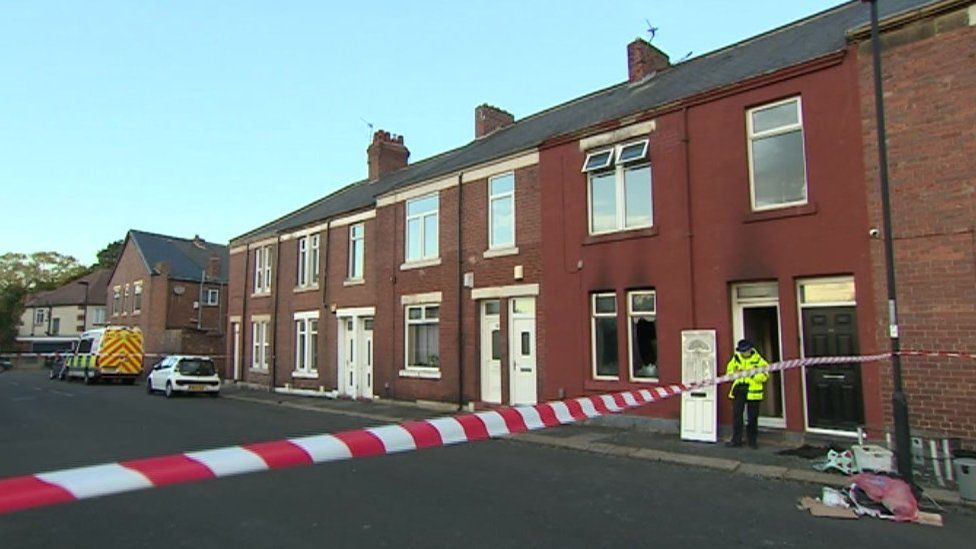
(306, 342)
(606, 364)
(422, 339)
(642, 321)
(260, 344)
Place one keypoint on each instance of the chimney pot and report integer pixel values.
(488, 118)
(643, 60)
(385, 154)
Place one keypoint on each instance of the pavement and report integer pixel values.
(593, 437)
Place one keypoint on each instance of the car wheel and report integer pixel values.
(149, 389)
(169, 390)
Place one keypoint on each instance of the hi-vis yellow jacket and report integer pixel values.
(755, 382)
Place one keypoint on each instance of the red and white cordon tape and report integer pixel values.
(43, 489)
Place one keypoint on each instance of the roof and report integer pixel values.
(187, 258)
(811, 38)
(73, 293)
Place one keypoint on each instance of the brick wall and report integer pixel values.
(929, 79)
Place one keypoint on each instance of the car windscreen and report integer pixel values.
(196, 367)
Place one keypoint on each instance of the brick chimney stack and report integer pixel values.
(643, 60)
(213, 266)
(488, 119)
(386, 154)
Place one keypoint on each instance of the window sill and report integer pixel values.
(353, 282)
(780, 213)
(420, 264)
(619, 236)
(259, 370)
(500, 252)
(605, 385)
(301, 289)
(305, 375)
(425, 373)
(261, 294)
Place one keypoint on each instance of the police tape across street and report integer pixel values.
(53, 487)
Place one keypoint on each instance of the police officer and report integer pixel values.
(746, 392)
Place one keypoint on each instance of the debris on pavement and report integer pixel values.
(874, 495)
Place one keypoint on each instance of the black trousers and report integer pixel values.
(740, 402)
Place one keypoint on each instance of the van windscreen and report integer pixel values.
(84, 347)
(196, 367)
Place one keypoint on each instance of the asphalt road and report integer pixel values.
(487, 494)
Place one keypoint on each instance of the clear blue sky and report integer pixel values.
(213, 117)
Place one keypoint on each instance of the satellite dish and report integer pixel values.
(179, 290)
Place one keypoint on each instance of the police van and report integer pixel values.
(113, 352)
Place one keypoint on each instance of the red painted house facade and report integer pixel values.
(755, 227)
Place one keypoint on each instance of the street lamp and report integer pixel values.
(899, 403)
(84, 312)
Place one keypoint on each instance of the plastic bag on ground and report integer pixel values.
(895, 494)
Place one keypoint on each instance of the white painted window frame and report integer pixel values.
(116, 300)
(40, 316)
(498, 197)
(305, 352)
(593, 317)
(308, 261)
(425, 255)
(259, 345)
(619, 171)
(357, 262)
(408, 322)
(631, 316)
(212, 296)
(125, 299)
(782, 130)
(137, 297)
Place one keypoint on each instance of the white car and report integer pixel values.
(184, 374)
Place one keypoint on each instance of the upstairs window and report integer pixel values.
(212, 297)
(125, 299)
(137, 298)
(116, 300)
(357, 249)
(40, 316)
(777, 162)
(422, 228)
(619, 188)
(501, 211)
(262, 270)
(308, 261)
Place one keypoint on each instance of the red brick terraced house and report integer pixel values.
(929, 80)
(595, 247)
(175, 290)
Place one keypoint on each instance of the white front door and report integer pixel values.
(348, 370)
(522, 381)
(491, 352)
(365, 362)
(699, 414)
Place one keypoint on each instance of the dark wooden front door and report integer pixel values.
(834, 396)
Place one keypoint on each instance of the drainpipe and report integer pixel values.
(323, 281)
(244, 322)
(276, 284)
(460, 292)
(685, 140)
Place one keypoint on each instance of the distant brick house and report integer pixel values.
(52, 320)
(572, 251)
(174, 289)
(929, 80)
